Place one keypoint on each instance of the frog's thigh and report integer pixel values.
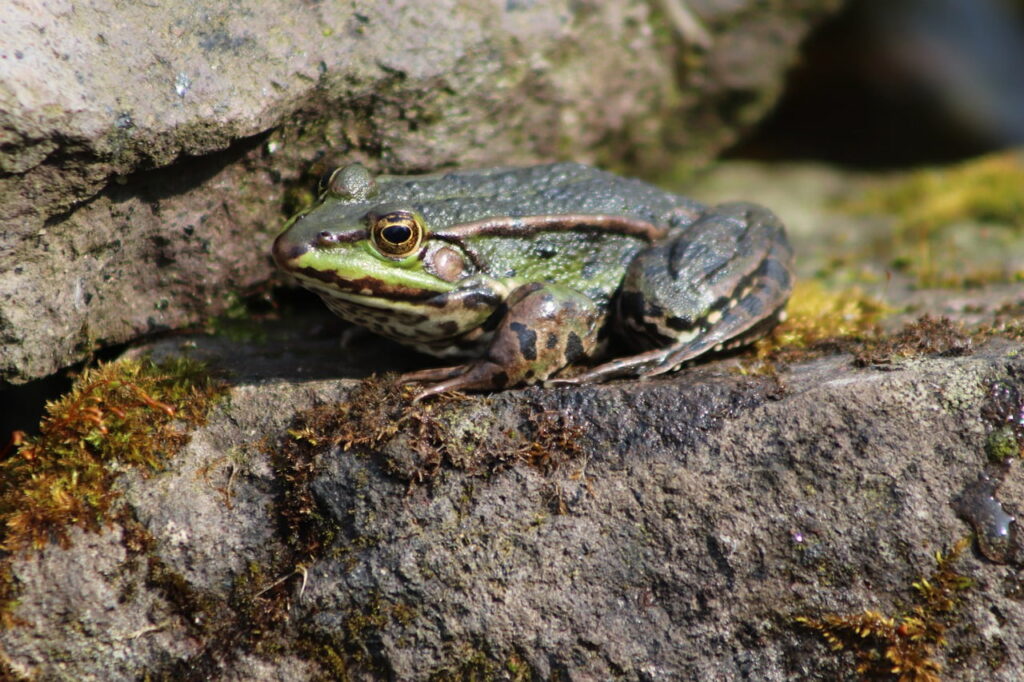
(718, 284)
(545, 328)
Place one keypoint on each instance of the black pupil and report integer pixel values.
(396, 234)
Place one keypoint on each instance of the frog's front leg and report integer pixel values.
(542, 329)
(720, 282)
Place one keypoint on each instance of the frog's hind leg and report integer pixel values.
(719, 284)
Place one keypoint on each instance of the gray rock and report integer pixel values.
(145, 150)
(699, 517)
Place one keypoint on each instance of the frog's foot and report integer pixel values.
(472, 376)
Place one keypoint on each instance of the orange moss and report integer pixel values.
(903, 647)
(117, 415)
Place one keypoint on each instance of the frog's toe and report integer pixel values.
(433, 374)
(476, 376)
(639, 365)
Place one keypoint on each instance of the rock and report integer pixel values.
(679, 533)
(146, 151)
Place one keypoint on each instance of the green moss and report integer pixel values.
(119, 415)
(944, 215)
(818, 321)
(1003, 409)
(1002, 444)
(354, 652)
(901, 647)
(815, 313)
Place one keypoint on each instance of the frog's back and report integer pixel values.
(558, 189)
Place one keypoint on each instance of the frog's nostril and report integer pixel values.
(326, 238)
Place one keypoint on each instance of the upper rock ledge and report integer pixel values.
(145, 147)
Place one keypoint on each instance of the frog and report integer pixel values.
(516, 276)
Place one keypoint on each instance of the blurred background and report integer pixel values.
(908, 82)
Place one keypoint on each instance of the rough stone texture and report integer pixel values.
(708, 511)
(85, 613)
(679, 557)
(145, 148)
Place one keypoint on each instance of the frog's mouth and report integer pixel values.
(361, 289)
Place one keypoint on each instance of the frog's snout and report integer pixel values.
(286, 250)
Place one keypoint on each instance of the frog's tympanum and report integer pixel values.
(526, 272)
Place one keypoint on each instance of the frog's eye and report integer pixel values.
(396, 234)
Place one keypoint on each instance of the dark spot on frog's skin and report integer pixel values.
(478, 300)
(500, 379)
(409, 318)
(544, 251)
(573, 348)
(448, 328)
(590, 268)
(552, 340)
(527, 340)
(752, 306)
(774, 270)
(679, 324)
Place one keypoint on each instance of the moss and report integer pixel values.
(1002, 444)
(8, 600)
(901, 647)
(1003, 409)
(472, 665)
(254, 617)
(8, 674)
(822, 322)
(925, 336)
(818, 321)
(930, 208)
(355, 652)
(201, 611)
(815, 313)
(119, 415)
(413, 441)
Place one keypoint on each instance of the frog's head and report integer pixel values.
(371, 252)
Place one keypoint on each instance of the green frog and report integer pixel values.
(526, 273)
